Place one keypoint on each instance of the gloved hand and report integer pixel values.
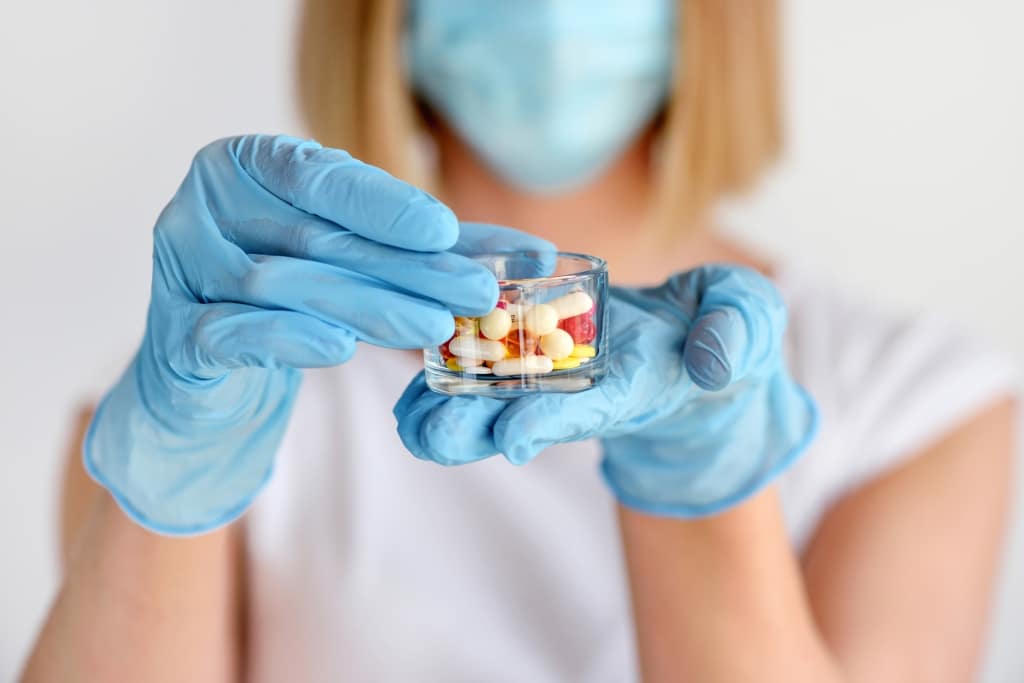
(275, 254)
(697, 411)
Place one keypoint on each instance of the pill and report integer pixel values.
(521, 343)
(465, 325)
(452, 365)
(475, 348)
(540, 319)
(496, 324)
(526, 365)
(583, 351)
(445, 353)
(572, 304)
(476, 370)
(557, 344)
(581, 327)
(515, 312)
(566, 363)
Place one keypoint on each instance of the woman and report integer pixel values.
(868, 555)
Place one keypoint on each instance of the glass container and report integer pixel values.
(547, 333)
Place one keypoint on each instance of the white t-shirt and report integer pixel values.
(367, 564)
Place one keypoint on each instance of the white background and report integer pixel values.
(904, 179)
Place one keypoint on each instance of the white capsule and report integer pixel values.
(572, 304)
(540, 319)
(515, 312)
(496, 324)
(473, 350)
(472, 368)
(526, 365)
(557, 344)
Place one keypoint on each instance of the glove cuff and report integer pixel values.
(173, 482)
(632, 496)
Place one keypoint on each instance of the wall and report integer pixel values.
(904, 180)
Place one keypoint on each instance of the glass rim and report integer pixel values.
(597, 266)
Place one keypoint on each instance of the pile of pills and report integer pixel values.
(519, 339)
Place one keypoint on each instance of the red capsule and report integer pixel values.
(581, 327)
(445, 353)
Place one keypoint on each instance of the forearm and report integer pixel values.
(138, 606)
(721, 598)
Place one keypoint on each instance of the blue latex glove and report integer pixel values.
(697, 412)
(275, 254)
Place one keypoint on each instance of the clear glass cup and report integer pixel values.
(547, 334)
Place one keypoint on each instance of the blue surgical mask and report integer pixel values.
(547, 92)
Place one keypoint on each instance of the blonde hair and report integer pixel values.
(721, 128)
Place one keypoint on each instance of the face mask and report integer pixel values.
(547, 92)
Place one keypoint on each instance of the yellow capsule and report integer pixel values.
(566, 363)
(466, 326)
(452, 365)
(583, 351)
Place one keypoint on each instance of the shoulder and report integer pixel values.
(889, 382)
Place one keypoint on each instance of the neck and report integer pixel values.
(608, 217)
